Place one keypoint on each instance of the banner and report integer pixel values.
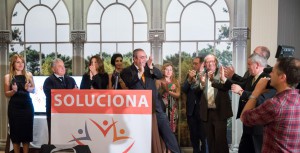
(108, 121)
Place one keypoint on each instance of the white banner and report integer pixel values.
(108, 121)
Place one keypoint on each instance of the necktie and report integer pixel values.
(253, 80)
(143, 78)
(210, 95)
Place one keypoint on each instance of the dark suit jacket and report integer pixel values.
(130, 76)
(52, 82)
(248, 88)
(193, 96)
(100, 81)
(222, 101)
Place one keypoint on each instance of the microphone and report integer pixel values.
(116, 80)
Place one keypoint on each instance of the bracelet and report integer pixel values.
(253, 97)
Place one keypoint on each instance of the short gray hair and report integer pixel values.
(259, 59)
(56, 60)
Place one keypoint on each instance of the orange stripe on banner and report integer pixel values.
(101, 101)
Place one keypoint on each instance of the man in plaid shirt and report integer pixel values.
(280, 115)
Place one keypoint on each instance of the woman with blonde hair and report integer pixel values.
(169, 89)
(17, 86)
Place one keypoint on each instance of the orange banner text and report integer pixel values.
(101, 101)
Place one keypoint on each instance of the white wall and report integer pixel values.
(264, 26)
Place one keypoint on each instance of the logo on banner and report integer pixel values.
(118, 133)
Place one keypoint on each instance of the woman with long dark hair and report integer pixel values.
(95, 77)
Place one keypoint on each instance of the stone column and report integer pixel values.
(5, 39)
(156, 38)
(78, 38)
(239, 35)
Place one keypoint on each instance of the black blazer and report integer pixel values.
(52, 82)
(248, 87)
(193, 96)
(99, 81)
(222, 101)
(130, 76)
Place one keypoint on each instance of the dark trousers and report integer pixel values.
(246, 144)
(216, 130)
(166, 132)
(197, 133)
(257, 142)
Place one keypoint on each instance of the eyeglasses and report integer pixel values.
(210, 62)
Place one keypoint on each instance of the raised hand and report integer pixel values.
(14, 87)
(211, 75)
(222, 74)
(192, 75)
(149, 62)
(27, 85)
(229, 71)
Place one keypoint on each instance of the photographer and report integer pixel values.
(280, 115)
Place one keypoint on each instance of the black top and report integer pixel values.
(99, 81)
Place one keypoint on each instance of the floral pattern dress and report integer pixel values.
(171, 105)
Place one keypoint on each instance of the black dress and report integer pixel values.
(20, 113)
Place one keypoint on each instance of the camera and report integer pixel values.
(282, 51)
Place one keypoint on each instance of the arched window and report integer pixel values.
(118, 26)
(195, 28)
(41, 33)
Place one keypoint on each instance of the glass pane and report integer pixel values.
(139, 12)
(18, 14)
(109, 47)
(48, 54)
(48, 49)
(224, 53)
(91, 49)
(174, 11)
(63, 33)
(33, 58)
(15, 48)
(50, 3)
(222, 31)
(170, 49)
(197, 23)
(61, 13)
(17, 33)
(65, 52)
(124, 48)
(94, 13)
(188, 49)
(144, 46)
(172, 31)
(93, 33)
(221, 10)
(40, 28)
(209, 2)
(117, 24)
(30, 3)
(128, 3)
(105, 3)
(140, 32)
(204, 48)
(185, 2)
